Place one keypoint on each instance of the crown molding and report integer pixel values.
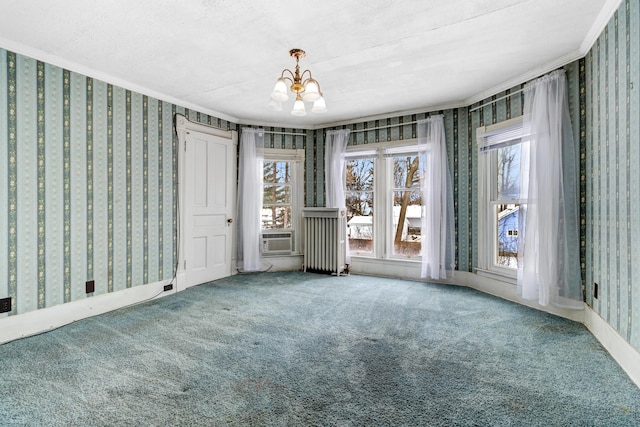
(607, 11)
(249, 122)
(399, 113)
(49, 58)
(525, 77)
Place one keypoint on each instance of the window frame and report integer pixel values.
(488, 200)
(296, 157)
(370, 155)
(383, 227)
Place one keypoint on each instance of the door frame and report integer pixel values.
(183, 127)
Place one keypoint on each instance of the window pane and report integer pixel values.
(276, 217)
(407, 223)
(359, 174)
(405, 172)
(360, 221)
(507, 219)
(509, 172)
(277, 171)
(277, 194)
(359, 203)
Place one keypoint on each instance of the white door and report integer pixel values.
(209, 207)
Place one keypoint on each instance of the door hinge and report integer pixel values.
(184, 265)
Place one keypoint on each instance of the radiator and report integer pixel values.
(325, 233)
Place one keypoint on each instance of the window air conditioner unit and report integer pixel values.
(280, 243)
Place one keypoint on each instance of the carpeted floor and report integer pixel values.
(301, 349)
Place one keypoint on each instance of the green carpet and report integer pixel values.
(302, 349)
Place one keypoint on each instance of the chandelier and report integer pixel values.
(306, 89)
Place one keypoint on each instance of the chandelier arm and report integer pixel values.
(305, 72)
(311, 78)
(286, 70)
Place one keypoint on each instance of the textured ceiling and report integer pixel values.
(371, 57)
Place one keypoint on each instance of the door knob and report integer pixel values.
(230, 220)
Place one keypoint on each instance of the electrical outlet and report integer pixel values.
(595, 290)
(5, 305)
(168, 287)
(90, 286)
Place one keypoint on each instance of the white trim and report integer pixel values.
(525, 77)
(266, 124)
(105, 77)
(627, 357)
(46, 319)
(183, 126)
(393, 114)
(510, 292)
(607, 11)
(410, 270)
(186, 125)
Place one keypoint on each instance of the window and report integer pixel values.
(501, 210)
(282, 198)
(406, 204)
(276, 202)
(359, 202)
(383, 200)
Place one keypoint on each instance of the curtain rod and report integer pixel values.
(284, 133)
(515, 92)
(390, 126)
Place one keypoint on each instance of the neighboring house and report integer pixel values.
(360, 227)
(508, 236)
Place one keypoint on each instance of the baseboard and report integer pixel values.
(627, 357)
(509, 292)
(46, 319)
(411, 270)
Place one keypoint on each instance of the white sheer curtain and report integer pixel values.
(250, 192)
(437, 200)
(335, 172)
(548, 258)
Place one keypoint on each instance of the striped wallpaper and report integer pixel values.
(87, 185)
(613, 172)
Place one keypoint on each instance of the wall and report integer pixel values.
(87, 185)
(613, 173)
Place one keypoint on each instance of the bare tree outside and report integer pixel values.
(359, 203)
(407, 201)
(276, 204)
